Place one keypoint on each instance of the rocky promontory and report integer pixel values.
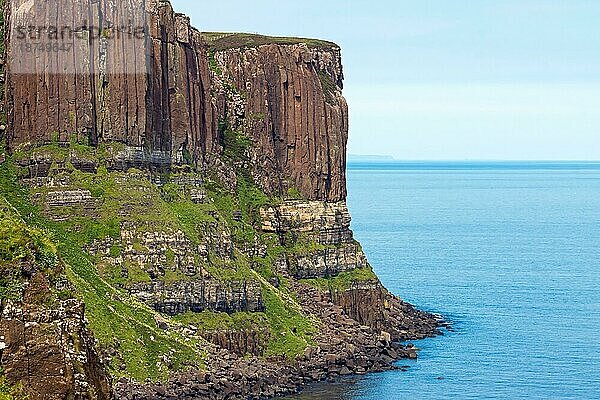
(174, 223)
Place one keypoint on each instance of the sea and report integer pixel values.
(509, 252)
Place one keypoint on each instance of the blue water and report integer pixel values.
(510, 253)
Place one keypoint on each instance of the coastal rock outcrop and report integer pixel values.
(372, 305)
(343, 347)
(196, 182)
(51, 352)
(290, 105)
(46, 346)
(320, 237)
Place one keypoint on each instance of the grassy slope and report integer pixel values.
(116, 319)
(19, 244)
(120, 321)
(8, 391)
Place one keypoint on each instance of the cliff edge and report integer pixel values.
(191, 187)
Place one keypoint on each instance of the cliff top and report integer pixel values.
(223, 41)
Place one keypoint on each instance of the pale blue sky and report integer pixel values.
(449, 79)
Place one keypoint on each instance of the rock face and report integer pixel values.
(323, 230)
(45, 344)
(293, 109)
(151, 94)
(200, 295)
(172, 276)
(329, 223)
(158, 96)
(204, 176)
(372, 305)
(51, 352)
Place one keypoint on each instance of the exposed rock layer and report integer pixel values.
(50, 351)
(328, 247)
(343, 347)
(200, 295)
(190, 287)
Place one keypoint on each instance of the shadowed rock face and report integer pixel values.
(151, 94)
(199, 295)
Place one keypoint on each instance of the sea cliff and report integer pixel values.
(174, 221)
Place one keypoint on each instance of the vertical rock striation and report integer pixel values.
(158, 95)
(292, 108)
(151, 94)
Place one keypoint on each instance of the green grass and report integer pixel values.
(251, 200)
(21, 244)
(343, 281)
(116, 319)
(292, 330)
(174, 276)
(115, 251)
(294, 194)
(193, 218)
(135, 274)
(122, 322)
(172, 193)
(303, 245)
(223, 41)
(2, 68)
(234, 270)
(212, 63)
(58, 152)
(171, 257)
(9, 391)
(264, 265)
(235, 144)
(248, 200)
(329, 87)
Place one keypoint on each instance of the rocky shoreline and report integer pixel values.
(342, 348)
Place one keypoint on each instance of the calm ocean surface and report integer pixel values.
(509, 252)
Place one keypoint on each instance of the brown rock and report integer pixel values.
(161, 107)
(38, 349)
(287, 99)
(295, 113)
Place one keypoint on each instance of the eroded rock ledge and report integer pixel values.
(325, 227)
(342, 347)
